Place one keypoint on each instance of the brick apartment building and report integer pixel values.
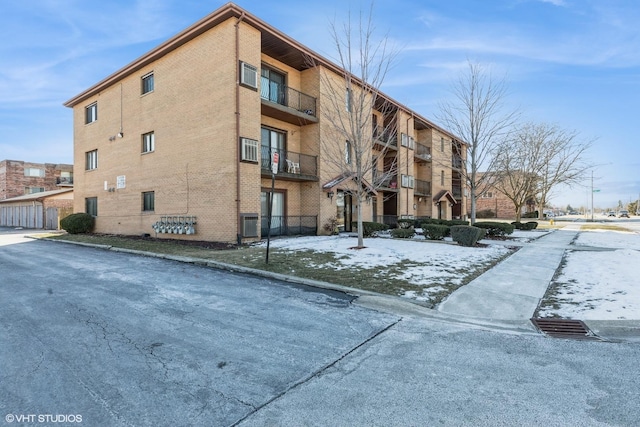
(180, 142)
(18, 178)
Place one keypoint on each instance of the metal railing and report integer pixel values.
(290, 225)
(289, 162)
(288, 96)
(422, 188)
(390, 220)
(423, 152)
(64, 180)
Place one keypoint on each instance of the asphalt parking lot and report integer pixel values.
(122, 339)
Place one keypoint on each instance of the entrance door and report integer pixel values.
(348, 212)
(278, 220)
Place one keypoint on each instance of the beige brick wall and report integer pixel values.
(192, 113)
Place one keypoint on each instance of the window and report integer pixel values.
(91, 206)
(147, 83)
(37, 172)
(487, 195)
(442, 144)
(248, 150)
(407, 141)
(91, 113)
(32, 190)
(91, 160)
(347, 152)
(441, 177)
(407, 181)
(148, 201)
(272, 141)
(348, 100)
(148, 142)
(248, 75)
(272, 86)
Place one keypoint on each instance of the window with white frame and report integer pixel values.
(91, 113)
(248, 75)
(407, 141)
(148, 201)
(248, 150)
(32, 190)
(91, 160)
(407, 181)
(148, 142)
(147, 83)
(35, 172)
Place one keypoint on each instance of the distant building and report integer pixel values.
(18, 178)
(494, 204)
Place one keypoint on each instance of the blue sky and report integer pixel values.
(574, 63)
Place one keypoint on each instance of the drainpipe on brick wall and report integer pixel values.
(237, 135)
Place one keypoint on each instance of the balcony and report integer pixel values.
(64, 181)
(292, 166)
(289, 225)
(422, 188)
(385, 182)
(422, 153)
(287, 104)
(385, 140)
(456, 162)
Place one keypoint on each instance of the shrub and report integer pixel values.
(525, 225)
(78, 223)
(466, 235)
(495, 229)
(405, 223)
(485, 213)
(435, 231)
(402, 233)
(368, 228)
(444, 222)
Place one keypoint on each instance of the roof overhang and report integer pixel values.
(344, 181)
(444, 195)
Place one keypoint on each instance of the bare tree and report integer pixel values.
(563, 159)
(351, 98)
(536, 159)
(478, 115)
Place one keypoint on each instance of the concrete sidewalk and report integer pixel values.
(511, 290)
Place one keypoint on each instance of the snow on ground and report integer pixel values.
(425, 263)
(600, 285)
(593, 285)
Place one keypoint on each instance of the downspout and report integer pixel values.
(407, 151)
(237, 134)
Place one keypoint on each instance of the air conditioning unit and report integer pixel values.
(248, 75)
(249, 225)
(248, 150)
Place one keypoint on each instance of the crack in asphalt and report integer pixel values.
(317, 373)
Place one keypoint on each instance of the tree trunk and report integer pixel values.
(360, 230)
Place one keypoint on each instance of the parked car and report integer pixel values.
(611, 213)
(623, 214)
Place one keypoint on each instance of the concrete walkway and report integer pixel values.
(512, 289)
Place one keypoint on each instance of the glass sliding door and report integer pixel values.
(278, 219)
(272, 86)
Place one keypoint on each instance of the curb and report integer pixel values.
(609, 330)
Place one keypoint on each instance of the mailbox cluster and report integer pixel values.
(175, 225)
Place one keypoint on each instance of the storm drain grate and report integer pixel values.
(564, 328)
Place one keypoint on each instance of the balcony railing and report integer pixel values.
(290, 225)
(288, 97)
(385, 181)
(290, 164)
(386, 139)
(422, 188)
(456, 162)
(64, 180)
(423, 152)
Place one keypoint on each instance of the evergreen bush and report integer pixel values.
(368, 228)
(435, 231)
(402, 233)
(78, 223)
(466, 235)
(495, 229)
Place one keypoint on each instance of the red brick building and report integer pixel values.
(18, 178)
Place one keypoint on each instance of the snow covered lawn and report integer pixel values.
(430, 269)
(598, 285)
